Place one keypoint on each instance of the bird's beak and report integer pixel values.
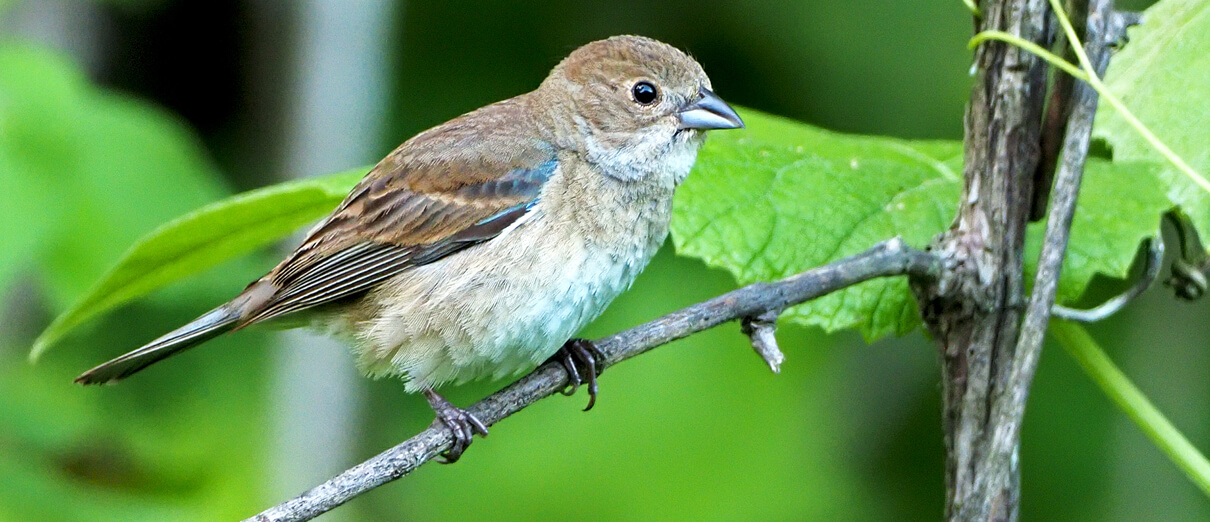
(709, 112)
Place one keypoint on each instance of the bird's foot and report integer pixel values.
(462, 425)
(580, 353)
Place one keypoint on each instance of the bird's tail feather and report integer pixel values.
(208, 326)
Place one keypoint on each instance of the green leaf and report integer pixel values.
(203, 239)
(1161, 75)
(781, 197)
(1120, 205)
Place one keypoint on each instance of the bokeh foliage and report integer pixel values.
(86, 171)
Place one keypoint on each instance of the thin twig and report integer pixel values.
(1151, 271)
(889, 258)
(1010, 405)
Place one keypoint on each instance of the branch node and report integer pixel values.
(1187, 280)
(1119, 21)
(760, 330)
(1189, 270)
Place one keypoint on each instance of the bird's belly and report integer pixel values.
(496, 309)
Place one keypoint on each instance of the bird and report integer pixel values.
(479, 247)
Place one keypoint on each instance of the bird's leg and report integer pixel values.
(462, 425)
(580, 352)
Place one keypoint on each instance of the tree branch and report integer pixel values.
(989, 352)
(889, 258)
(974, 311)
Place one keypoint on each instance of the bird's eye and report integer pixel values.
(644, 93)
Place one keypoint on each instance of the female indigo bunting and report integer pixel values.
(480, 246)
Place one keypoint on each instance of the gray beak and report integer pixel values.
(709, 112)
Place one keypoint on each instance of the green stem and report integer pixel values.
(1034, 48)
(970, 4)
(1084, 349)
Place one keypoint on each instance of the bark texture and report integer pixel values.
(975, 310)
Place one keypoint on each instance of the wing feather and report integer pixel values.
(401, 216)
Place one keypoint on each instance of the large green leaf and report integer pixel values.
(782, 197)
(1163, 76)
(202, 239)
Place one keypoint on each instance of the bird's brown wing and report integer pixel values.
(405, 214)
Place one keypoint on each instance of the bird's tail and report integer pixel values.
(208, 326)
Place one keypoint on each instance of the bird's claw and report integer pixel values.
(462, 425)
(574, 354)
(573, 375)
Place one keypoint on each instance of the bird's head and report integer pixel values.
(637, 106)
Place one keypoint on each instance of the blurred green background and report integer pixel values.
(116, 116)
